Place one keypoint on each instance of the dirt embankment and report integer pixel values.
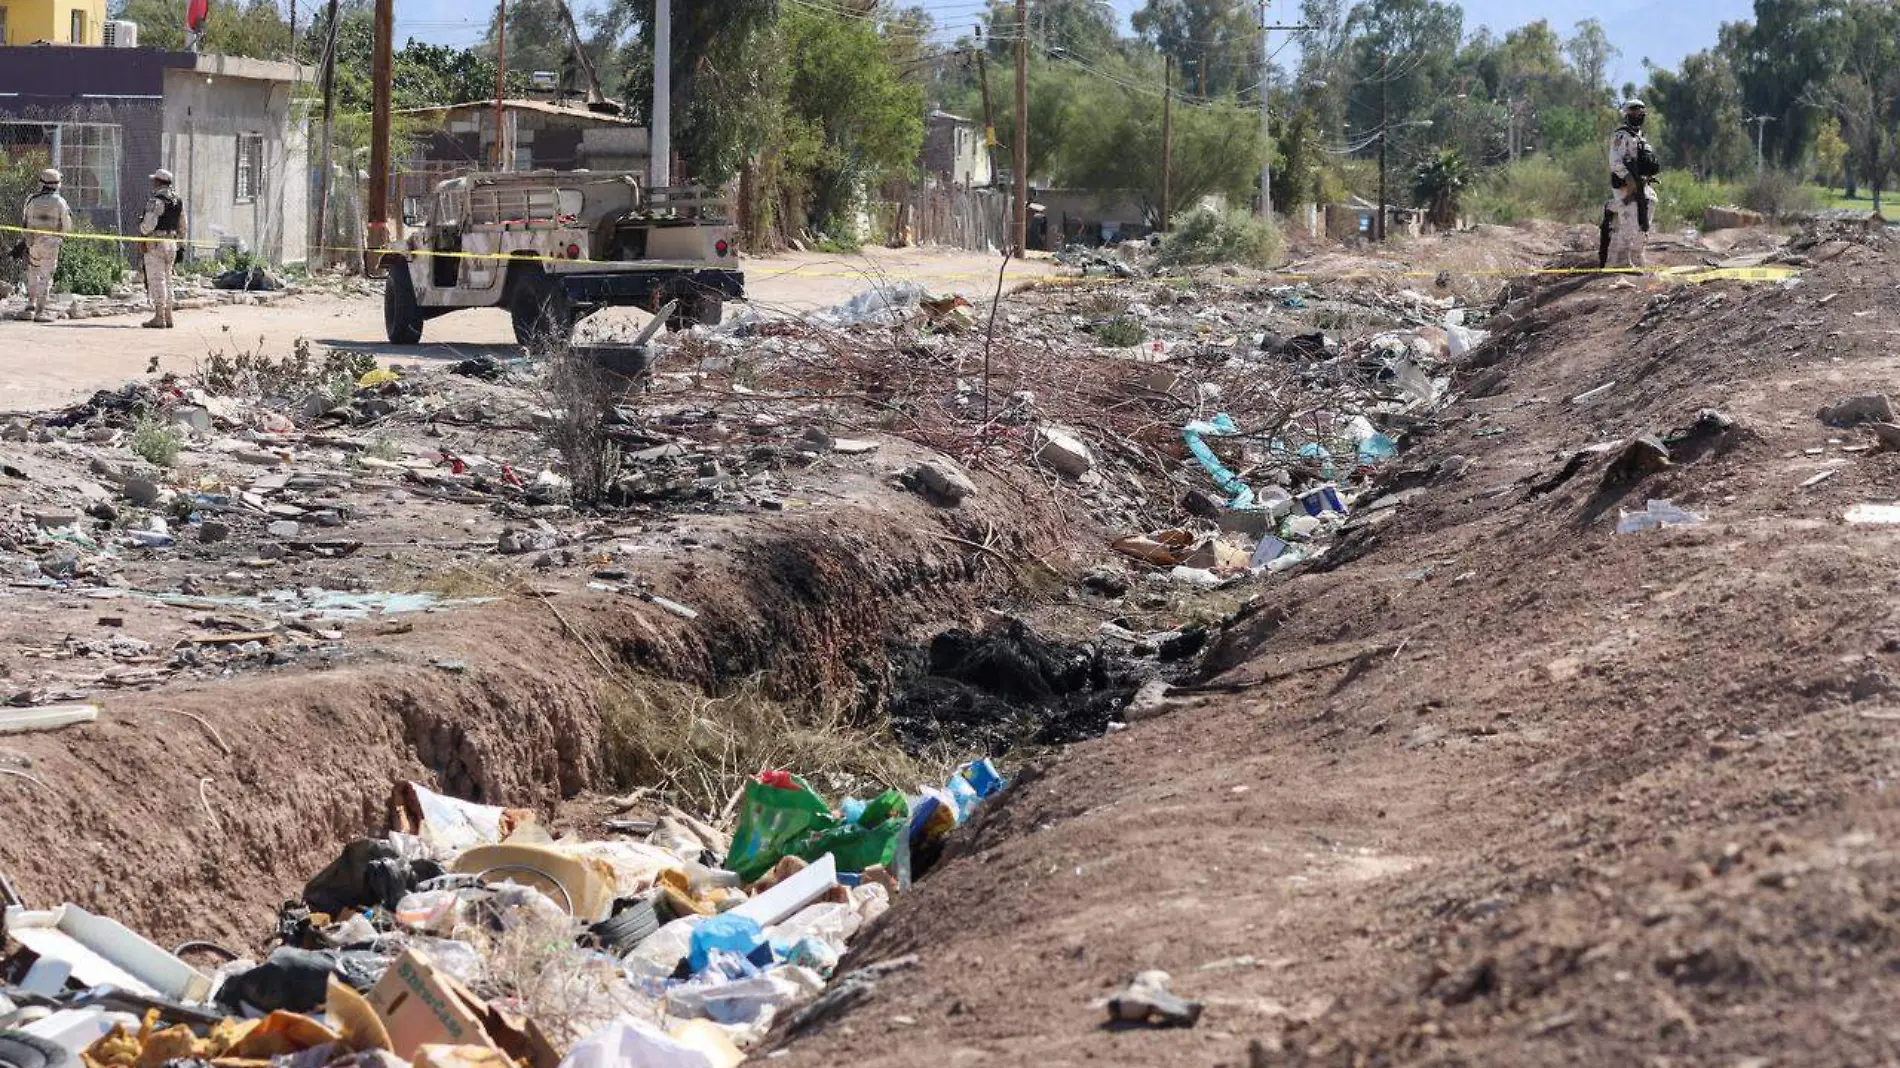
(191, 811)
(1503, 786)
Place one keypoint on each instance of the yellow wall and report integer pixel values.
(32, 21)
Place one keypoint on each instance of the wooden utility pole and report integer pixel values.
(1385, 134)
(501, 85)
(381, 71)
(329, 115)
(1167, 139)
(1021, 226)
(989, 123)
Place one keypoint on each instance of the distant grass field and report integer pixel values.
(1835, 200)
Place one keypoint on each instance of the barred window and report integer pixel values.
(250, 166)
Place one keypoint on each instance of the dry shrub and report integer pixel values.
(534, 968)
(698, 750)
(580, 398)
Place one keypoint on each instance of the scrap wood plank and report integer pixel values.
(238, 638)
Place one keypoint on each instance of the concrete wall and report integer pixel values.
(204, 116)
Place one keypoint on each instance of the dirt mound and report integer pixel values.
(1509, 787)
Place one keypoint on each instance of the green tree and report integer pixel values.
(1700, 113)
(1215, 43)
(1591, 53)
(1296, 177)
(1865, 94)
(254, 28)
(864, 120)
(1082, 27)
(537, 36)
(1788, 55)
(1403, 54)
(1830, 152)
(1438, 185)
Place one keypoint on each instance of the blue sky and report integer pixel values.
(1662, 30)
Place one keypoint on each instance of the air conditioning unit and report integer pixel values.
(121, 34)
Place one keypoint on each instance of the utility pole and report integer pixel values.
(381, 71)
(989, 123)
(1266, 112)
(1167, 139)
(1761, 125)
(329, 114)
(1385, 134)
(1022, 129)
(660, 144)
(501, 85)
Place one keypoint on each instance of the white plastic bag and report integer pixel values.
(631, 1043)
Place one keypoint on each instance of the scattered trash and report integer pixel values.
(1148, 1003)
(1660, 513)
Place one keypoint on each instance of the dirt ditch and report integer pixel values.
(192, 811)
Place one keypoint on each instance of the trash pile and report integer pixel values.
(1263, 412)
(470, 936)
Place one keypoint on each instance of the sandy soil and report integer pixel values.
(1499, 786)
(43, 366)
(1491, 784)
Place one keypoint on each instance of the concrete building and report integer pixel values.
(227, 127)
(67, 22)
(954, 152)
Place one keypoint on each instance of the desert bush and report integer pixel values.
(1207, 237)
(1121, 332)
(156, 441)
(1776, 193)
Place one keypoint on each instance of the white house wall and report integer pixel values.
(204, 116)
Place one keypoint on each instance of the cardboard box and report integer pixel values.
(421, 1005)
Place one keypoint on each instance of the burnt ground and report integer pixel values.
(1507, 788)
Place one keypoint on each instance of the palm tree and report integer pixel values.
(1438, 184)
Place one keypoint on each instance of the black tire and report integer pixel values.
(542, 313)
(402, 317)
(633, 923)
(21, 1050)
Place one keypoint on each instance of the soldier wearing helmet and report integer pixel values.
(1633, 165)
(45, 218)
(163, 227)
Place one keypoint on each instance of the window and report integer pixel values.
(79, 27)
(250, 166)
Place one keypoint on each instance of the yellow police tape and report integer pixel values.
(1688, 275)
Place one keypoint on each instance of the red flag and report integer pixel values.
(196, 14)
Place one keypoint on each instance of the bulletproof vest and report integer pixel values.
(172, 213)
(1643, 163)
(44, 211)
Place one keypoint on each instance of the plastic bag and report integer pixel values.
(733, 934)
(777, 809)
(631, 1043)
(880, 836)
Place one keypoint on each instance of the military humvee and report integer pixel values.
(554, 247)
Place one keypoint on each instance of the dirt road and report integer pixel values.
(44, 366)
